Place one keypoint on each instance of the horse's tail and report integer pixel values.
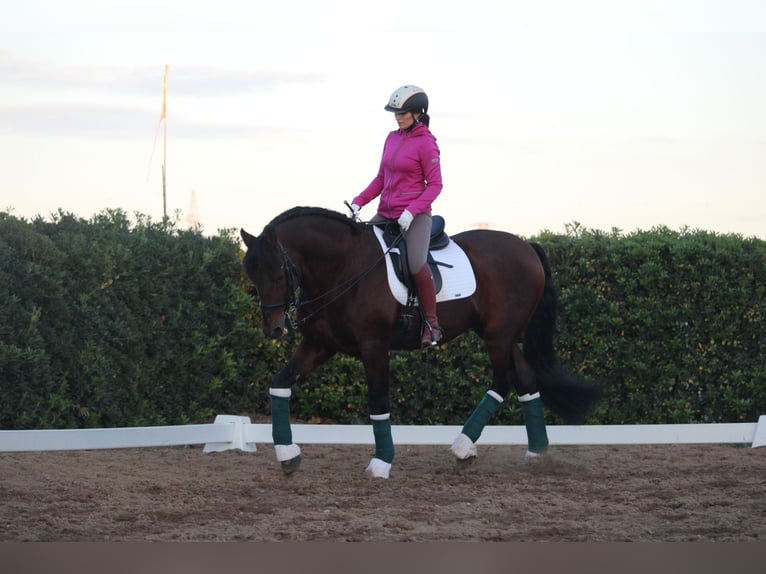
(564, 393)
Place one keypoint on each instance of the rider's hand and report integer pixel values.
(405, 219)
(354, 211)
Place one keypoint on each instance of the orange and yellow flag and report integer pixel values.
(161, 123)
(164, 94)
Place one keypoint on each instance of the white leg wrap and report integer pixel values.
(286, 451)
(531, 456)
(463, 447)
(383, 417)
(495, 396)
(378, 469)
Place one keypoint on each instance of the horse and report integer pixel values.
(323, 273)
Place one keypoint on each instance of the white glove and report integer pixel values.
(405, 219)
(355, 211)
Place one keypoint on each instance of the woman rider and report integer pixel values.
(408, 181)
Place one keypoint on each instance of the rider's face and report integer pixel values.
(405, 120)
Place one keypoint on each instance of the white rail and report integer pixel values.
(235, 432)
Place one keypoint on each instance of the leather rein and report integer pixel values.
(293, 303)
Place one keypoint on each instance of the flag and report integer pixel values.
(163, 118)
(164, 94)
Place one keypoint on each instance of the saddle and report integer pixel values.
(398, 251)
(457, 281)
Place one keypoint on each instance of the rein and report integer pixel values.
(293, 303)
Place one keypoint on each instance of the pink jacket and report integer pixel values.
(410, 174)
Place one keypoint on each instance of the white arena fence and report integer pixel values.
(237, 432)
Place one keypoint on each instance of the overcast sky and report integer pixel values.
(611, 114)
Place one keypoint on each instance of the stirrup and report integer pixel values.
(431, 335)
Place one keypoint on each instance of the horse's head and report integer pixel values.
(318, 239)
(266, 264)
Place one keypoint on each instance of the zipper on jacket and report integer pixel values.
(393, 163)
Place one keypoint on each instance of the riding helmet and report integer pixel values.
(408, 99)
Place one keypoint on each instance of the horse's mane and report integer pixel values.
(313, 211)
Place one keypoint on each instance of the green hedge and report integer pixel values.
(112, 322)
(109, 323)
(672, 322)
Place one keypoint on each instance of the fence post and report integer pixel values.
(238, 439)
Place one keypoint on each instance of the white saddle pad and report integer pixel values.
(458, 281)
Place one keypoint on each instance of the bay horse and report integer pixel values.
(324, 273)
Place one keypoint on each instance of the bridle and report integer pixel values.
(292, 302)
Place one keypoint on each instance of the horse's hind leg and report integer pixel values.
(464, 446)
(510, 369)
(523, 379)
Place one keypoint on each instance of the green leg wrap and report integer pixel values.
(537, 436)
(384, 442)
(480, 417)
(280, 420)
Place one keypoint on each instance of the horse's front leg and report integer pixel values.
(376, 368)
(304, 360)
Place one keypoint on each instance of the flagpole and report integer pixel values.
(164, 143)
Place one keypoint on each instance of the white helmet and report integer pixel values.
(408, 99)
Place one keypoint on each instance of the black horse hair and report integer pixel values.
(302, 211)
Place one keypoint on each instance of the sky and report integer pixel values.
(602, 114)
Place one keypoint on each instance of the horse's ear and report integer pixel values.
(246, 237)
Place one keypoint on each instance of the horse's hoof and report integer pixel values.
(463, 463)
(534, 457)
(290, 466)
(378, 469)
(463, 447)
